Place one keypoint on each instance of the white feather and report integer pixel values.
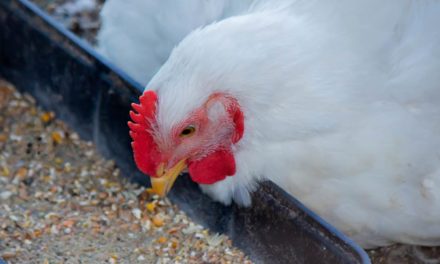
(341, 99)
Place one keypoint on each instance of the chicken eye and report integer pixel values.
(188, 131)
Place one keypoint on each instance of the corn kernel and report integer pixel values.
(21, 173)
(5, 171)
(56, 137)
(162, 240)
(37, 233)
(47, 116)
(158, 221)
(175, 244)
(150, 207)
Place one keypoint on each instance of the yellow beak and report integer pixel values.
(165, 179)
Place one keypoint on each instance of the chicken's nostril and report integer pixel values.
(160, 169)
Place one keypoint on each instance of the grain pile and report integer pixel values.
(60, 202)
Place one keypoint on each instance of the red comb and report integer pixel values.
(145, 150)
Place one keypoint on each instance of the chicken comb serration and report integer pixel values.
(145, 150)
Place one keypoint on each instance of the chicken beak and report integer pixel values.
(165, 178)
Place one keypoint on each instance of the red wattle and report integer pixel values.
(212, 168)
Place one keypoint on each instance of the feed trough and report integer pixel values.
(66, 76)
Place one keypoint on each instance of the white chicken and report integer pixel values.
(338, 102)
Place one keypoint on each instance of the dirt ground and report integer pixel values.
(82, 17)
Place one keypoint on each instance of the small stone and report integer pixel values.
(58, 160)
(5, 195)
(103, 195)
(68, 223)
(137, 213)
(54, 230)
(113, 259)
(9, 255)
